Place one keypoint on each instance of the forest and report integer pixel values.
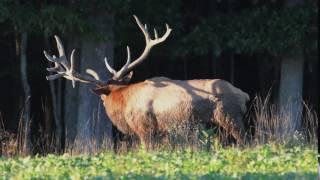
(266, 48)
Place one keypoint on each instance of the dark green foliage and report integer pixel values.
(257, 28)
(54, 18)
(61, 19)
(262, 30)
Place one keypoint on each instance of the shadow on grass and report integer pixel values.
(247, 176)
(288, 175)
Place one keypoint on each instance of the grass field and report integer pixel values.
(261, 162)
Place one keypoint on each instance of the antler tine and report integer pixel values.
(125, 67)
(72, 60)
(62, 68)
(54, 76)
(50, 58)
(155, 33)
(149, 44)
(55, 68)
(163, 38)
(62, 57)
(117, 75)
(93, 73)
(143, 28)
(110, 69)
(128, 57)
(59, 46)
(71, 71)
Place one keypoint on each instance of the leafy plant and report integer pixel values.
(207, 137)
(262, 162)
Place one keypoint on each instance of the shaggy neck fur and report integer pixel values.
(115, 105)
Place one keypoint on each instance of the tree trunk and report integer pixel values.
(71, 98)
(21, 52)
(93, 125)
(312, 85)
(290, 93)
(56, 106)
(290, 90)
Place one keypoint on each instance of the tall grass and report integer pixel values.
(274, 124)
(270, 124)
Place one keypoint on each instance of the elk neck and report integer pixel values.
(115, 104)
(115, 101)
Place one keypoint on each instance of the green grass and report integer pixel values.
(261, 162)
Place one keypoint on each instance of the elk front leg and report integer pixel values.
(145, 127)
(231, 122)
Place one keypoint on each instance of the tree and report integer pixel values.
(86, 122)
(93, 124)
(291, 85)
(22, 26)
(21, 52)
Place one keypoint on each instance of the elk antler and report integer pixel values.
(62, 68)
(149, 44)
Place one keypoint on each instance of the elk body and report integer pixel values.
(150, 108)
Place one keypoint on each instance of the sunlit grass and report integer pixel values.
(264, 162)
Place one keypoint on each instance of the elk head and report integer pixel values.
(62, 68)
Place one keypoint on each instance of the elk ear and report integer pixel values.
(128, 77)
(101, 90)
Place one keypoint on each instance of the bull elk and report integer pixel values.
(150, 108)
